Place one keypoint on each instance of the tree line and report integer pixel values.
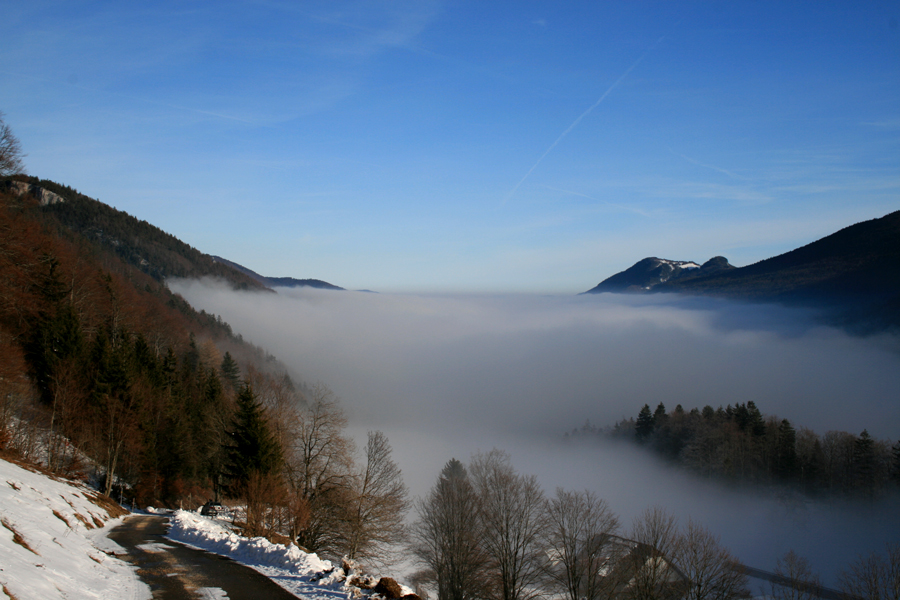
(739, 443)
(488, 532)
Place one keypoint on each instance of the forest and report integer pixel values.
(742, 445)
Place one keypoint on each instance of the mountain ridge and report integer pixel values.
(273, 282)
(854, 268)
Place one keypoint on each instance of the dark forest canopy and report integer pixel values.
(739, 443)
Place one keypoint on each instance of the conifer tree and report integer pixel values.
(864, 463)
(253, 448)
(660, 416)
(644, 426)
(231, 372)
(786, 450)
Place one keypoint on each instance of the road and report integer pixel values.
(175, 572)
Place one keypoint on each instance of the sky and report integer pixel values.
(426, 146)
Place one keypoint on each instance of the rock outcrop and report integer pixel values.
(43, 196)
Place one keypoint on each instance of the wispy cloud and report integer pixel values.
(885, 124)
(375, 25)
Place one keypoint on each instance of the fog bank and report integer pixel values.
(446, 376)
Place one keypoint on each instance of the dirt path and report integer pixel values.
(176, 572)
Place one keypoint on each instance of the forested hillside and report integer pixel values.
(137, 243)
(106, 359)
(107, 374)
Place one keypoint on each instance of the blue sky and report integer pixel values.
(528, 146)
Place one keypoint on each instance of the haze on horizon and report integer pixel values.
(464, 146)
(449, 375)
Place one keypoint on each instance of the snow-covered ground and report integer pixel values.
(304, 575)
(52, 537)
(53, 544)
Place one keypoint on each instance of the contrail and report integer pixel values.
(706, 166)
(613, 204)
(583, 115)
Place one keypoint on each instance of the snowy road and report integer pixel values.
(176, 572)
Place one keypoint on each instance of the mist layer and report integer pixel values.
(446, 376)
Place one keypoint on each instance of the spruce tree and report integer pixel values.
(644, 426)
(252, 448)
(864, 463)
(786, 450)
(231, 372)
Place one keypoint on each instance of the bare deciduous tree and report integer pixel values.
(799, 581)
(379, 503)
(10, 151)
(444, 538)
(657, 530)
(578, 532)
(714, 573)
(512, 521)
(873, 577)
(319, 467)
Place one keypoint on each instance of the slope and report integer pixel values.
(861, 261)
(49, 540)
(278, 281)
(854, 273)
(100, 355)
(136, 242)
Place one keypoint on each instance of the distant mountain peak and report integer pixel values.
(652, 271)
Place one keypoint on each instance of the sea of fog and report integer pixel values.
(446, 376)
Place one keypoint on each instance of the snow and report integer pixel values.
(52, 541)
(53, 544)
(304, 575)
(684, 264)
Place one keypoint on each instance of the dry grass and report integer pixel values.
(17, 538)
(86, 523)
(106, 503)
(9, 593)
(62, 518)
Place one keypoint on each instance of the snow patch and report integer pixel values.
(53, 543)
(302, 574)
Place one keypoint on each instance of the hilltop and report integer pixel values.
(274, 282)
(854, 272)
